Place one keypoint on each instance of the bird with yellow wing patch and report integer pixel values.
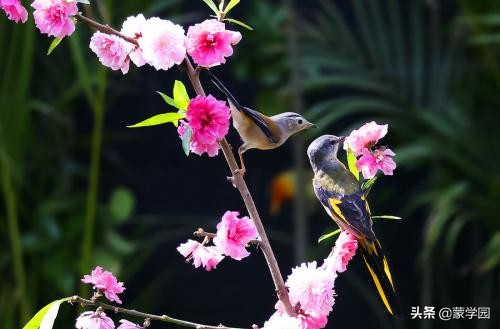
(345, 202)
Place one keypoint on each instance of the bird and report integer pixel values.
(257, 130)
(341, 195)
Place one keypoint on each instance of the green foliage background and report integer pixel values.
(428, 68)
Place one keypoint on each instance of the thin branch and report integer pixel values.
(238, 180)
(105, 28)
(242, 187)
(152, 317)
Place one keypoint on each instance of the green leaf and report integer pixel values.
(386, 217)
(351, 162)
(169, 100)
(186, 140)
(212, 6)
(490, 254)
(160, 119)
(181, 96)
(53, 45)
(221, 5)
(329, 235)
(121, 204)
(240, 23)
(230, 5)
(85, 2)
(367, 186)
(45, 318)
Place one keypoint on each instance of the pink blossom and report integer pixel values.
(208, 257)
(105, 282)
(344, 250)
(53, 17)
(125, 324)
(196, 146)
(380, 158)
(281, 320)
(94, 320)
(209, 122)
(209, 42)
(111, 50)
(162, 43)
(133, 27)
(365, 137)
(233, 234)
(14, 10)
(311, 287)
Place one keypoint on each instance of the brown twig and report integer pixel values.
(105, 28)
(146, 316)
(238, 181)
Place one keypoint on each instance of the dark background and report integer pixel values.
(427, 68)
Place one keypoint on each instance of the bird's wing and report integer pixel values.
(268, 127)
(350, 211)
(259, 119)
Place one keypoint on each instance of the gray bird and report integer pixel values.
(340, 194)
(257, 130)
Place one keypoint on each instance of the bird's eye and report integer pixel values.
(300, 121)
(332, 142)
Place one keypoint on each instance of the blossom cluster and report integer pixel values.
(362, 142)
(105, 283)
(208, 120)
(163, 44)
(232, 237)
(159, 42)
(311, 289)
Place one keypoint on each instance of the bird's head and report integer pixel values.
(292, 122)
(324, 148)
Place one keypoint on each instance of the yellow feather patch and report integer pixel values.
(334, 203)
(379, 288)
(367, 206)
(388, 272)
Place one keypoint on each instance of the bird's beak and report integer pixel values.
(312, 125)
(341, 139)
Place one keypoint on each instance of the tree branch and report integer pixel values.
(242, 187)
(238, 180)
(104, 28)
(153, 317)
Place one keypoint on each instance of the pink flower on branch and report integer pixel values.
(379, 159)
(208, 257)
(162, 43)
(94, 320)
(344, 250)
(14, 10)
(311, 287)
(233, 235)
(209, 122)
(209, 43)
(134, 27)
(53, 17)
(281, 320)
(365, 137)
(111, 50)
(106, 283)
(125, 324)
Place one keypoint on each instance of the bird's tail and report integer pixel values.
(223, 88)
(381, 274)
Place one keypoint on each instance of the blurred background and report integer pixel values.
(78, 189)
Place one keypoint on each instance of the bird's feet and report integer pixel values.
(239, 172)
(236, 172)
